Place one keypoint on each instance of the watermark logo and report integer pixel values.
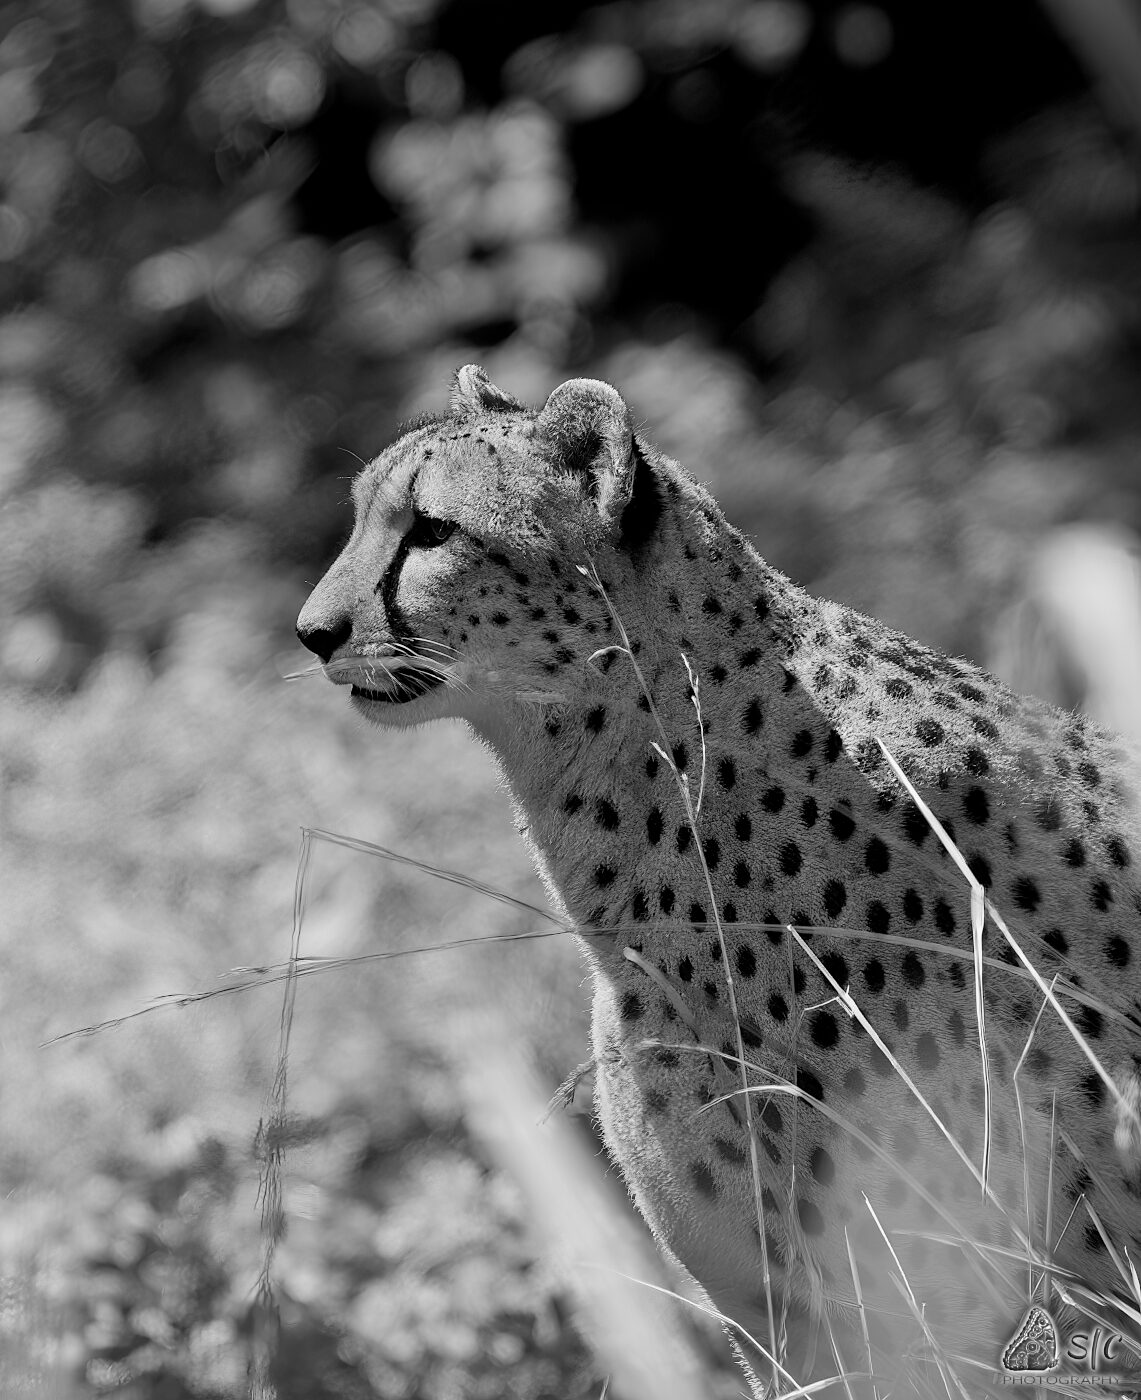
(1034, 1346)
(1084, 1358)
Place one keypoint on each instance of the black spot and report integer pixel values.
(697, 916)
(1049, 814)
(711, 605)
(825, 1031)
(727, 773)
(632, 1007)
(790, 858)
(604, 875)
(1093, 815)
(1026, 894)
(901, 1016)
(912, 906)
(915, 825)
(841, 823)
(912, 969)
(832, 746)
(944, 918)
(1093, 1240)
(685, 970)
(743, 827)
(500, 619)
(898, 689)
(718, 674)
(750, 1037)
(1074, 854)
(771, 1118)
(835, 897)
(656, 1101)
(596, 718)
(957, 1028)
(927, 1051)
(877, 917)
(1056, 939)
(811, 1220)
(730, 1151)
(854, 1083)
(979, 867)
(809, 811)
(639, 906)
(680, 757)
(1117, 951)
(957, 976)
(651, 767)
(773, 799)
(1093, 1087)
(666, 899)
(711, 849)
(654, 826)
(702, 1177)
(571, 803)
(749, 658)
(877, 857)
(822, 1166)
(873, 975)
(1089, 1021)
(984, 727)
(684, 837)
(879, 1062)
(1089, 774)
(711, 990)
(746, 962)
(752, 719)
(976, 805)
(742, 875)
(1101, 896)
(606, 814)
(801, 743)
(673, 601)
(809, 1083)
(929, 732)
(976, 762)
(778, 1007)
(1117, 851)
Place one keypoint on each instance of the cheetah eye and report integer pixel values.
(427, 532)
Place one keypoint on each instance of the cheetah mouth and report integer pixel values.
(410, 683)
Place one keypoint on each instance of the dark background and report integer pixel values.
(873, 271)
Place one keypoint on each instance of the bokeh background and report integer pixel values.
(870, 270)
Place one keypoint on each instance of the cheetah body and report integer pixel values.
(850, 1139)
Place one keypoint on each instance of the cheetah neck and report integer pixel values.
(584, 772)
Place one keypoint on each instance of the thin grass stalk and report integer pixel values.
(591, 573)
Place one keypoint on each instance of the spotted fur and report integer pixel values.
(802, 823)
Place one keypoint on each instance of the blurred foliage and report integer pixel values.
(871, 269)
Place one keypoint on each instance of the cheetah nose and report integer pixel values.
(323, 641)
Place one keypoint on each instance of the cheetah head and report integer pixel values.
(457, 591)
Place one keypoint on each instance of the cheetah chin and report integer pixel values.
(818, 1089)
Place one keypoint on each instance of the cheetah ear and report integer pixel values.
(473, 392)
(589, 426)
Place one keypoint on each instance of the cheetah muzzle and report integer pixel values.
(785, 1025)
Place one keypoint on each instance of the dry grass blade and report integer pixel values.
(663, 749)
(271, 1150)
(978, 918)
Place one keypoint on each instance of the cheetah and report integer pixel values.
(790, 994)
